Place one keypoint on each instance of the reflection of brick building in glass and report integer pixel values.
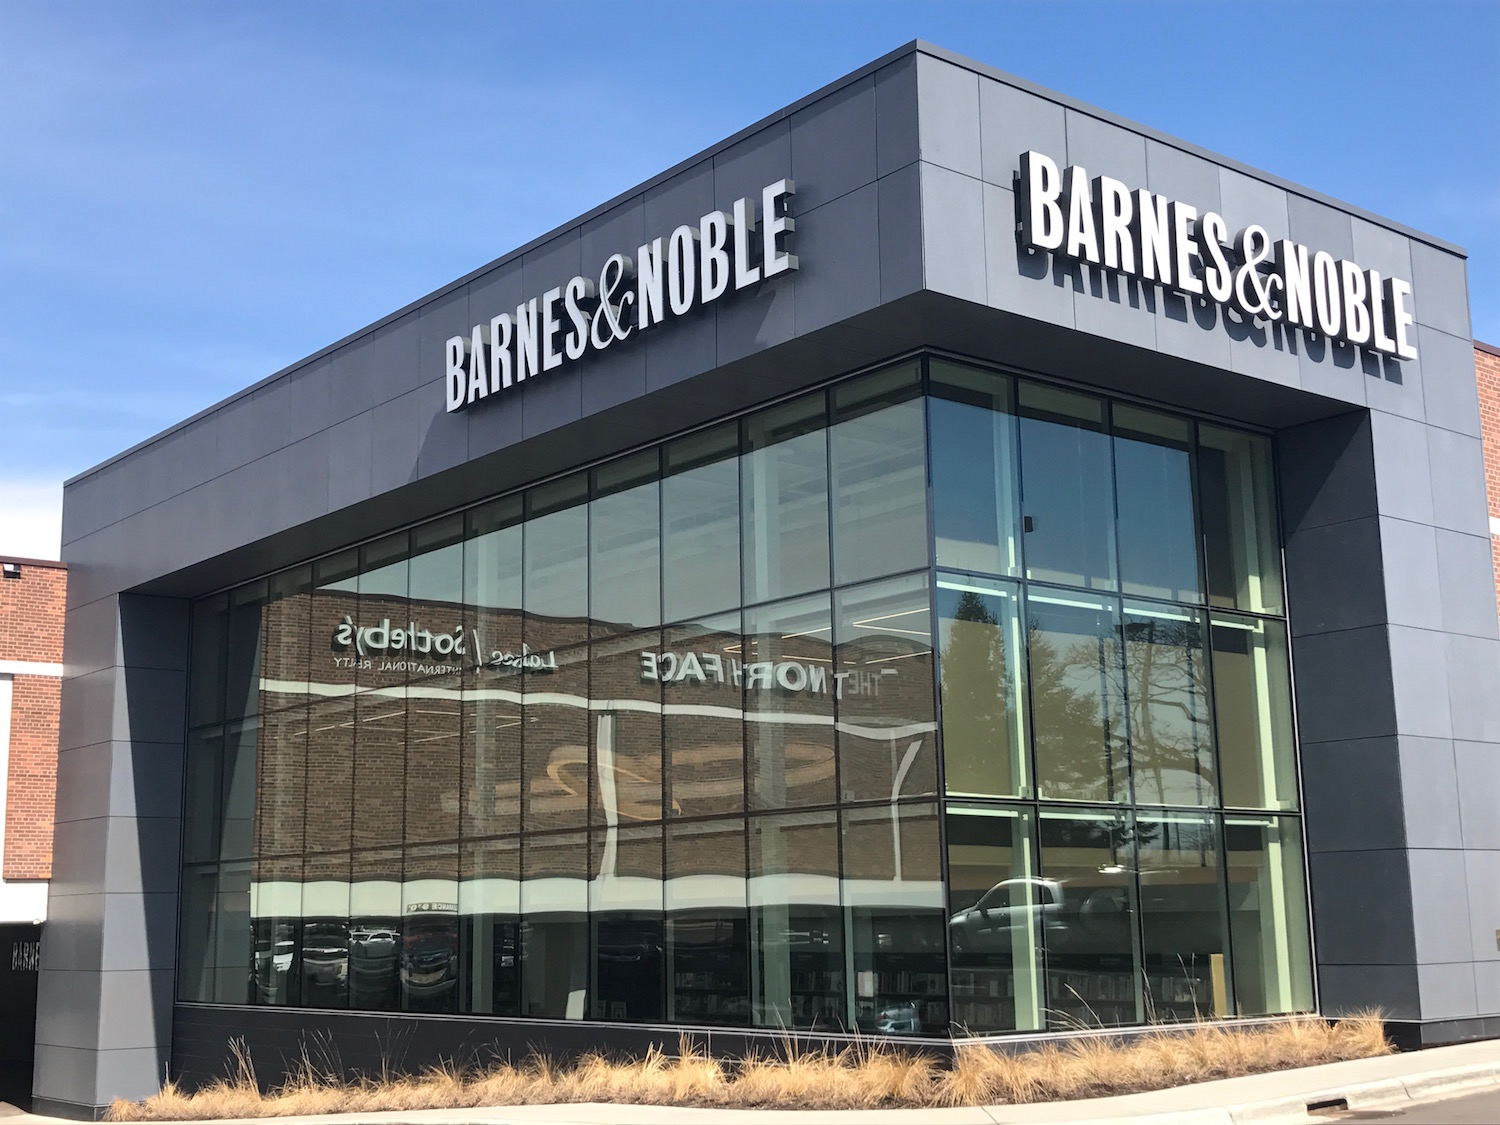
(376, 753)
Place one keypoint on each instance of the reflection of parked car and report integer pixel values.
(990, 925)
(325, 953)
(899, 1019)
(429, 957)
(274, 953)
(372, 963)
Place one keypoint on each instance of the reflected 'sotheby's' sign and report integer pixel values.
(671, 276)
(1148, 236)
(386, 637)
(412, 640)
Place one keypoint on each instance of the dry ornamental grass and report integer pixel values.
(862, 1076)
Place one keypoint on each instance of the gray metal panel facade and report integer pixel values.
(905, 229)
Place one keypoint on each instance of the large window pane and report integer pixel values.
(237, 815)
(276, 931)
(492, 561)
(1077, 697)
(206, 680)
(624, 544)
(375, 929)
(281, 787)
(626, 728)
(1239, 520)
(1183, 944)
(703, 720)
(195, 949)
(433, 734)
(983, 666)
(1154, 486)
(429, 958)
(997, 908)
(1088, 865)
(287, 638)
(883, 683)
(202, 809)
(796, 927)
(380, 737)
(242, 676)
(233, 954)
(1253, 704)
(1268, 915)
(555, 932)
(1166, 683)
(337, 647)
(789, 704)
(1067, 488)
(383, 613)
(489, 905)
(893, 919)
(330, 774)
(625, 904)
(976, 503)
(707, 928)
(379, 768)
(492, 706)
(879, 484)
(625, 607)
(434, 709)
(435, 577)
(325, 928)
(784, 500)
(556, 749)
(700, 524)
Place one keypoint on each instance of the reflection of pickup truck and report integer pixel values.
(1012, 905)
(429, 957)
(325, 953)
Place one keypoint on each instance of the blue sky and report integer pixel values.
(195, 195)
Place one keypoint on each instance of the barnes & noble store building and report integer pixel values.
(945, 562)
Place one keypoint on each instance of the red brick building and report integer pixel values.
(32, 596)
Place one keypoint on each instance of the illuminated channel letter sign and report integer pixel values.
(1148, 236)
(668, 277)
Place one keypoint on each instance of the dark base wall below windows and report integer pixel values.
(369, 1043)
(1413, 1035)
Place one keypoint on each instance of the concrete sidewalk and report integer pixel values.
(1389, 1083)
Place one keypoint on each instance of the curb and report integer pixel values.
(1385, 1094)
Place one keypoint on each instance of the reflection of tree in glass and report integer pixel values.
(1078, 711)
(979, 707)
(1169, 734)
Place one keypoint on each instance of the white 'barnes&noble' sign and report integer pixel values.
(1144, 235)
(671, 276)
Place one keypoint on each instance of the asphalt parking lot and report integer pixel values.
(1473, 1109)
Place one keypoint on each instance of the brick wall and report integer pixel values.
(31, 631)
(1487, 373)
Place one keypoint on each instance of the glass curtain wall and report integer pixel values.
(659, 741)
(584, 752)
(1115, 701)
